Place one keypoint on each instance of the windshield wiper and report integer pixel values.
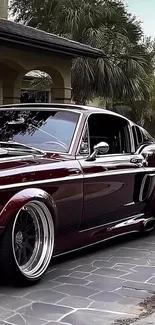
(16, 146)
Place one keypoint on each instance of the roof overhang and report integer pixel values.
(17, 34)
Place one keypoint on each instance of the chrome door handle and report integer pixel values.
(139, 161)
(136, 160)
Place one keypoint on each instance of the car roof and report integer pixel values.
(54, 105)
(73, 107)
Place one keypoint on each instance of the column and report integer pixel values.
(61, 95)
(11, 94)
(4, 9)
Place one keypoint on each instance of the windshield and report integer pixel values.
(46, 130)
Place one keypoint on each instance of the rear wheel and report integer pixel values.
(27, 245)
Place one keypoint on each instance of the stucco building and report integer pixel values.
(23, 49)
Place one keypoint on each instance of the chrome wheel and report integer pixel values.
(33, 239)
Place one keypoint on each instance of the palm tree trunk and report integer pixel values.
(109, 104)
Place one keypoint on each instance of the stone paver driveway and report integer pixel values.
(95, 287)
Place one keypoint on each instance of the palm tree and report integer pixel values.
(121, 74)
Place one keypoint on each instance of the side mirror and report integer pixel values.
(101, 148)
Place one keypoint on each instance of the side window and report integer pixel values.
(138, 136)
(135, 137)
(108, 128)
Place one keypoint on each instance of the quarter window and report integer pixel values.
(138, 136)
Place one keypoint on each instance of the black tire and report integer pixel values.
(26, 245)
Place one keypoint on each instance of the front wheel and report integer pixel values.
(27, 244)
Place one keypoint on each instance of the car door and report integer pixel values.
(112, 182)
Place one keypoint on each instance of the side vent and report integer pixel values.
(147, 186)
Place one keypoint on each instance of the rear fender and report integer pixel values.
(21, 198)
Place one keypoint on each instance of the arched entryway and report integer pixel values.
(13, 76)
(36, 87)
(44, 84)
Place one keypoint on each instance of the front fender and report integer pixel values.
(21, 198)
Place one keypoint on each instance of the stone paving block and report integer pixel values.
(44, 284)
(133, 261)
(44, 311)
(15, 292)
(71, 280)
(90, 258)
(86, 268)
(79, 275)
(145, 269)
(139, 286)
(75, 290)
(24, 320)
(103, 264)
(151, 262)
(12, 303)
(106, 297)
(109, 306)
(123, 260)
(75, 302)
(21, 292)
(45, 296)
(128, 268)
(104, 286)
(125, 292)
(98, 255)
(137, 277)
(151, 280)
(109, 272)
(149, 247)
(130, 252)
(104, 279)
(5, 313)
(142, 261)
(130, 301)
(47, 285)
(56, 273)
(87, 317)
(69, 265)
(151, 255)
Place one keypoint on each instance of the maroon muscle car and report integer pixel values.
(70, 176)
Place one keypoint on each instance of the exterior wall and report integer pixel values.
(15, 63)
(4, 9)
